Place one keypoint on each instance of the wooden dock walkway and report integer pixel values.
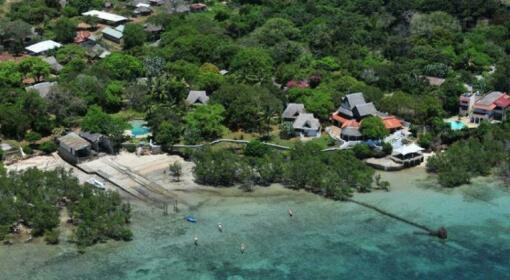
(440, 233)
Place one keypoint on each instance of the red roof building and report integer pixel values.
(493, 106)
(503, 102)
(81, 36)
(297, 84)
(391, 122)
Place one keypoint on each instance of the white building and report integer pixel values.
(43, 47)
(105, 16)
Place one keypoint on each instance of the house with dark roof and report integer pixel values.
(74, 148)
(154, 30)
(353, 109)
(54, 65)
(142, 11)
(99, 142)
(292, 111)
(493, 106)
(156, 2)
(306, 125)
(197, 97)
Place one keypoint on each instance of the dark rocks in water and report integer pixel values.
(441, 233)
(8, 242)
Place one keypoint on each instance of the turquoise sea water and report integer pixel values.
(324, 239)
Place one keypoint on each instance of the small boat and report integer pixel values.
(190, 219)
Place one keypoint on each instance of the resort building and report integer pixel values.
(73, 148)
(43, 89)
(198, 7)
(197, 97)
(292, 111)
(466, 103)
(493, 106)
(82, 36)
(157, 2)
(434, 81)
(306, 125)
(54, 65)
(42, 47)
(98, 142)
(113, 35)
(154, 30)
(142, 10)
(408, 155)
(106, 17)
(353, 109)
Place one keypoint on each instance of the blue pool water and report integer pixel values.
(456, 125)
(138, 128)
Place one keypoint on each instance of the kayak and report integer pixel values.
(191, 219)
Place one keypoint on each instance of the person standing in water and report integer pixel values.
(291, 213)
(220, 227)
(195, 240)
(243, 248)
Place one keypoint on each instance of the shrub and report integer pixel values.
(51, 236)
(48, 147)
(387, 148)
(130, 148)
(362, 151)
(425, 140)
(176, 170)
(32, 136)
(27, 150)
(286, 130)
(256, 148)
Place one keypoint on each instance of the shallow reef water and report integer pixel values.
(323, 240)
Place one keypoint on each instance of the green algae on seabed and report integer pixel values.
(323, 240)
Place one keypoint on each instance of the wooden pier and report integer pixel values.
(441, 233)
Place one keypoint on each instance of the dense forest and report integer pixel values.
(383, 48)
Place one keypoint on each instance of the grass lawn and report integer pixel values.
(128, 115)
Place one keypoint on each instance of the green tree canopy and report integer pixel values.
(205, 122)
(120, 66)
(34, 67)
(65, 30)
(253, 65)
(373, 128)
(10, 76)
(97, 121)
(134, 35)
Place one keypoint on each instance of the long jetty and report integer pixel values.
(440, 233)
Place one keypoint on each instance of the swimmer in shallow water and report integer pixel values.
(291, 213)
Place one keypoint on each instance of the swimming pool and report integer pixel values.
(139, 128)
(457, 125)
